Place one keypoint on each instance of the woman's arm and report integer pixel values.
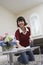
(18, 45)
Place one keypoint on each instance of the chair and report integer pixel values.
(38, 42)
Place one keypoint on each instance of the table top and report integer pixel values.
(19, 50)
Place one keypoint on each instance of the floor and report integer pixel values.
(38, 61)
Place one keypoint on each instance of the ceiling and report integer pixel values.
(17, 6)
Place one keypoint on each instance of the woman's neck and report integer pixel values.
(23, 29)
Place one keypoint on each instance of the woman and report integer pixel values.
(22, 35)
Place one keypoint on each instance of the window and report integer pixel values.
(35, 25)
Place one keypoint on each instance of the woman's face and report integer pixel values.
(21, 24)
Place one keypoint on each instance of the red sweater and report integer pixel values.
(23, 38)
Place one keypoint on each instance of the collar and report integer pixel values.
(22, 31)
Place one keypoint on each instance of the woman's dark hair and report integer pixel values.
(21, 19)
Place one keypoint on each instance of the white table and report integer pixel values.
(18, 50)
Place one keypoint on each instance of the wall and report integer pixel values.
(7, 21)
(37, 9)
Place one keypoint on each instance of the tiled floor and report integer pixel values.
(38, 58)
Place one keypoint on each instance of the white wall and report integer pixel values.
(7, 21)
(37, 9)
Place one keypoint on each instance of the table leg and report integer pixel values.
(11, 59)
(40, 55)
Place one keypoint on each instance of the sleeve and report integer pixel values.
(30, 40)
(29, 31)
(17, 35)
